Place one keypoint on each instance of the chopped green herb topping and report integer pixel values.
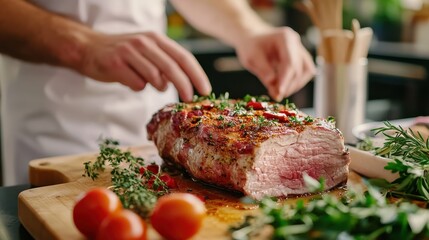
(309, 119)
(261, 98)
(331, 119)
(290, 105)
(179, 107)
(295, 120)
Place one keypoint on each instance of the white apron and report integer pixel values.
(51, 111)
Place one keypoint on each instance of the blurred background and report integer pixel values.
(398, 60)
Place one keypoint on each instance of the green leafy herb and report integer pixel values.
(331, 119)
(290, 105)
(261, 98)
(410, 154)
(211, 97)
(138, 190)
(223, 105)
(261, 121)
(276, 107)
(248, 98)
(224, 96)
(239, 108)
(366, 145)
(308, 119)
(197, 98)
(179, 107)
(294, 120)
(354, 216)
(226, 124)
(230, 124)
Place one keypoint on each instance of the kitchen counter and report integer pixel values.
(10, 227)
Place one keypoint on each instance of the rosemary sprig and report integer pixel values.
(410, 154)
(138, 190)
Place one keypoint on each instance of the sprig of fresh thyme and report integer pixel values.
(138, 190)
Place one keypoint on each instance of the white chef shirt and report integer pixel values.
(51, 111)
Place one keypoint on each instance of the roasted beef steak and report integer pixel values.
(257, 147)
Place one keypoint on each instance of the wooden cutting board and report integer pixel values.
(46, 211)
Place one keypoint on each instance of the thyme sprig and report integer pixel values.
(354, 216)
(138, 190)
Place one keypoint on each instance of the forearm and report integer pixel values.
(33, 34)
(228, 20)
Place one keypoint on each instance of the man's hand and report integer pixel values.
(133, 59)
(275, 55)
(278, 58)
(137, 59)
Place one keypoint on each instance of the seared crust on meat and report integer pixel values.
(259, 148)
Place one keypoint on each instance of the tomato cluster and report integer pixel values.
(96, 211)
(99, 214)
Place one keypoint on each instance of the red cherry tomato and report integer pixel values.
(178, 216)
(152, 168)
(123, 225)
(92, 208)
(169, 181)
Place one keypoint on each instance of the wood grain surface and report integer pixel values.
(46, 210)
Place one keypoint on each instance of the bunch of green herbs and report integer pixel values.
(409, 152)
(355, 216)
(137, 188)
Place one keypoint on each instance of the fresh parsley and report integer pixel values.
(355, 216)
